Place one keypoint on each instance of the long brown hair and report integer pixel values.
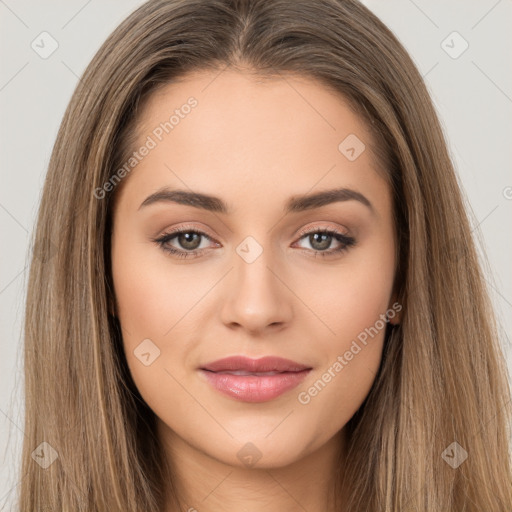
(442, 379)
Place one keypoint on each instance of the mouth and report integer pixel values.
(242, 372)
(254, 380)
(262, 365)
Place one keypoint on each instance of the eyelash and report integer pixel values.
(163, 240)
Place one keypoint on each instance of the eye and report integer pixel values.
(190, 241)
(322, 239)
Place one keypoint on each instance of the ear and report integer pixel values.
(394, 313)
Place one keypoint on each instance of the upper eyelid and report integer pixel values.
(301, 234)
(184, 229)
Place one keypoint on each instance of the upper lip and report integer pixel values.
(264, 364)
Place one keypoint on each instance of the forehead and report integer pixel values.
(249, 101)
(252, 134)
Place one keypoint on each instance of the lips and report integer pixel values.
(254, 380)
(269, 364)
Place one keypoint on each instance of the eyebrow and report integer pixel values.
(294, 204)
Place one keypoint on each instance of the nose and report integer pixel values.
(256, 297)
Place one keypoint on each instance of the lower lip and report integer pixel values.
(253, 388)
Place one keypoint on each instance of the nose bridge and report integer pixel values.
(255, 298)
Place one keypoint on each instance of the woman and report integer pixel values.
(264, 292)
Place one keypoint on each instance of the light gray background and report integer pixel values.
(472, 94)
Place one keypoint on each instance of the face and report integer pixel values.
(259, 269)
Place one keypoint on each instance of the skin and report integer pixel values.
(254, 144)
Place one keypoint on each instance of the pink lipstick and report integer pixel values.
(254, 380)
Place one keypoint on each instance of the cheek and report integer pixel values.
(350, 358)
(151, 298)
(147, 308)
(354, 309)
(338, 390)
(354, 297)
